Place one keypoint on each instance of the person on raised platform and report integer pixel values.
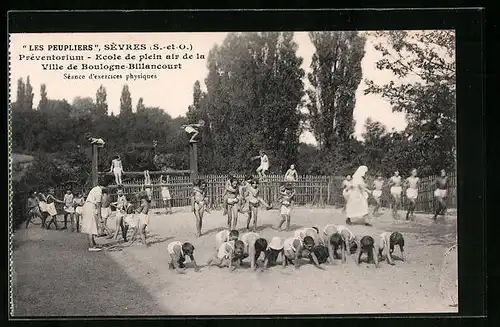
(117, 169)
(193, 130)
(264, 164)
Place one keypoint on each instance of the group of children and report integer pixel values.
(318, 247)
(410, 187)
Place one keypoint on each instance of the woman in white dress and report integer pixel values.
(91, 215)
(357, 201)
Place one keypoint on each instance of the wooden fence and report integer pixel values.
(319, 191)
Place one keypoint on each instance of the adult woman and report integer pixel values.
(357, 201)
(91, 215)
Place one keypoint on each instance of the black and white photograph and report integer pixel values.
(233, 173)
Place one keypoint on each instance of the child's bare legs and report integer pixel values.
(259, 172)
(168, 206)
(65, 220)
(53, 219)
(377, 206)
(225, 205)
(283, 219)
(72, 221)
(142, 232)
(200, 219)
(77, 221)
(250, 213)
(261, 200)
(254, 214)
(234, 218)
(229, 216)
(395, 207)
(288, 220)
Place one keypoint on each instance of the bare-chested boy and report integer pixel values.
(178, 252)
(253, 201)
(387, 242)
(296, 249)
(225, 236)
(367, 245)
(286, 201)
(123, 208)
(395, 184)
(378, 184)
(346, 184)
(117, 169)
(227, 188)
(440, 193)
(142, 218)
(230, 254)
(69, 210)
(412, 183)
(33, 208)
(199, 204)
(232, 204)
(78, 203)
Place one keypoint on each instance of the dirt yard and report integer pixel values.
(55, 275)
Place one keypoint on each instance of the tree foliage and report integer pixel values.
(101, 103)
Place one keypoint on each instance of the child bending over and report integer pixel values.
(274, 249)
(178, 252)
(386, 244)
(142, 219)
(230, 253)
(296, 249)
(367, 245)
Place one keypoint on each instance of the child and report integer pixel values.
(295, 249)
(199, 204)
(42, 204)
(286, 196)
(51, 208)
(253, 201)
(142, 218)
(346, 185)
(252, 248)
(225, 236)
(291, 174)
(117, 170)
(395, 184)
(274, 249)
(350, 242)
(227, 189)
(148, 186)
(192, 130)
(78, 203)
(334, 243)
(264, 164)
(98, 141)
(328, 231)
(33, 208)
(232, 204)
(69, 210)
(105, 213)
(321, 253)
(367, 245)
(386, 244)
(229, 253)
(308, 231)
(165, 195)
(378, 184)
(123, 207)
(178, 252)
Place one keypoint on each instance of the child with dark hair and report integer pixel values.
(178, 252)
(351, 242)
(199, 204)
(295, 249)
(230, 253)
(274, 249)
(33, 208)
(69, 210)
(51, 208)
(227, 189)
(142, 217)
(225, 236)
(286, 197)
(321, 253)
(334, 243)
(232, 204)
(367, 245)
(308, 231)
(254, 246)
(386, 244)
(78, 203)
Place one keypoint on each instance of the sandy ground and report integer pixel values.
(55, 275)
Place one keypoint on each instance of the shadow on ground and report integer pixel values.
(55, 275)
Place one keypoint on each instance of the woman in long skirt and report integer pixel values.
(357, 199)
(91, 216)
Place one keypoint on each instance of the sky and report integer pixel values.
(173, 90)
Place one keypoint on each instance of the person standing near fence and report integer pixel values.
(396, 190)
(264, 164)
(346, 184)
(412, 184)
(148, 186)
(69, 210)
(33, 208)
(165, 195)
(91, 215)
(117, 169)
(357, 201)
(378, 185)
(440, 194)
(291, 174)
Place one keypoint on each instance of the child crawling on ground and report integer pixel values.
(274, 249)
(367, 245)
(178, 252)
(225, 236)
(230, 254)
(142, 218)
(386, 244)
(254, 246)
(296, 249)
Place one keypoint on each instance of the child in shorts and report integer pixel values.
(387, 242)
(230, 254)
(199, 204)
(178, 252)
(274, 249)
(286, 197)
(296, 249)
(69, 210)
(51, 208)
(78, 202)
(254, 246)
(142, 218)
(165, 195)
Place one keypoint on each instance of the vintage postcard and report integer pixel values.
(233, 173)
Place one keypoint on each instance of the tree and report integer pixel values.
(376, 144)
(42, 104)
(336, 74)
(28, 98)
(125, 103)
(423, 64)
(140, 105)
(82, 107)
(21, 94)
(101, 104)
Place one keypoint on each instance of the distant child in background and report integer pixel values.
(142, 218)
(264, 164)
(227, 189)
(291, 174)
(33, 208)
(193, 130)
(69, 210)
(199, 204)
(51, 208)
(346, 185)
(117, 169)
(232, 204)
(274, 249)
(178, 252)
(42, 203)
(78, 203)
(441, 193)
(412, 184)
(165, 195)
(367, 245)
(396, 190)
(378, 184)
(387, 242)
(286, 196)
(148, 186)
